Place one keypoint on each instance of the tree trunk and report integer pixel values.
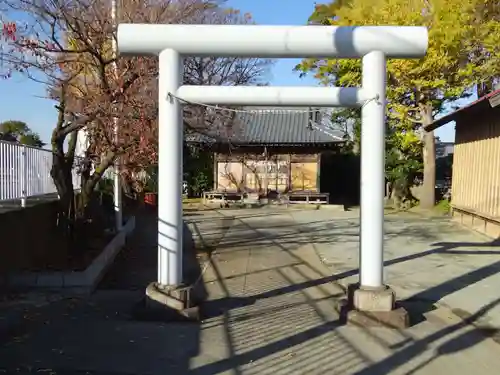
(88, 185)
(401, 194)
(428, 198)
(388, 189)
(396, 196)
(84, 199)
(62, 177)
(484, 89)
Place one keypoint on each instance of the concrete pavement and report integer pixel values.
(432, 260)
(272, 310)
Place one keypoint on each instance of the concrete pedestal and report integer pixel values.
(374, 307)
(180, 302)
(171, 304)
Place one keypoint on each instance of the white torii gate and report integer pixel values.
(374, 44)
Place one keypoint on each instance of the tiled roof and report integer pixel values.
(278, 127)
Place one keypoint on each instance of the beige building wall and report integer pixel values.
(476, 172)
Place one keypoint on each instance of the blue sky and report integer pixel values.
(23, 100)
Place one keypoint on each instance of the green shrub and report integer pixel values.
(443, 206)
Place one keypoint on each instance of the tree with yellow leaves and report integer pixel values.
(464, 51)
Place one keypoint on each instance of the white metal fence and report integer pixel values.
(25, 172)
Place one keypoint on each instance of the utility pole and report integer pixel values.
(117, 189)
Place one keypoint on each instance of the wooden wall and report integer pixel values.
(260, 173)
(476, 163)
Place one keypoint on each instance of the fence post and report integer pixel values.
(24, 175)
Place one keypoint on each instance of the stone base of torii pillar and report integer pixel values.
(179, 303)
(374, 307)
(172, 304)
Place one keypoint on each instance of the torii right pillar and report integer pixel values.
(371, 302)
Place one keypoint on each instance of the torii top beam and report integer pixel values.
(273, 41)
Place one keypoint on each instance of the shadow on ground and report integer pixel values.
(420, 305)
(280, 326)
